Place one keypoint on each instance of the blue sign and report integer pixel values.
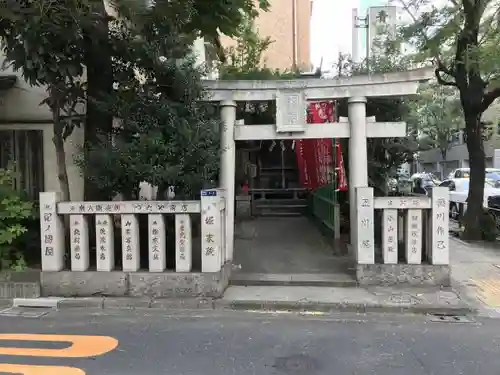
(209, 193)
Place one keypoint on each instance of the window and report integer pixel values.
(24, 148)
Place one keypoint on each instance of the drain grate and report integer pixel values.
(26, 312)
(451, 319)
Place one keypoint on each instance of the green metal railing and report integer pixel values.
(322, 207)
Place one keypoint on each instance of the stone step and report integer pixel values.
(300, 279)
(271, 202)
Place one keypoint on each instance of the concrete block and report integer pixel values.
(27, 276)
(183, 303)
(81, 303)
(243, 206)
(176, 284)
(19, 290)
(84, 284)
(127, 303)
(51, 302)
(393, 274)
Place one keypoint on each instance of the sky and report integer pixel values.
(331, 28)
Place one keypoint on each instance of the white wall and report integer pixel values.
(20, 109)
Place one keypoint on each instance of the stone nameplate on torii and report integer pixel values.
(291, 111)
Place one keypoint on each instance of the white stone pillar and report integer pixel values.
(183, 243)
(440, 251)
(364, 246)
(52, 233)
(130, 243)
(105, 242)
(390, 236)
(157, 243)
(227, 169)
(79, 238)
(211, 232)
(358, 157)
(413, 237)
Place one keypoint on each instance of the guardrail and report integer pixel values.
(55, 215)
(324, 208)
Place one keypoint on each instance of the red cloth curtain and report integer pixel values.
(315, 156)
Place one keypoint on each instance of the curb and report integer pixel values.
(461, 309)
(126, 303)
(98, 303)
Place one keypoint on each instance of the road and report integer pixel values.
(223, 343)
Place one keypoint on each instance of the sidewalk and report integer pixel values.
(309, 300)
(350, 299)
(476, 289)
(476, 274)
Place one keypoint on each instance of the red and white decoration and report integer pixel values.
(315, 156)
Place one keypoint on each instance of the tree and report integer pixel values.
(38, 38)
(52, 42)
(438, 116)
(197, 18)
(462, 38)
(385, 155)
(166, 135)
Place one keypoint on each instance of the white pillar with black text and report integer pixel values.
(358, 157)
(227, 169)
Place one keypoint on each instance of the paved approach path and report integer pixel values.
(228, 343)
(476, 273)
(276, 245)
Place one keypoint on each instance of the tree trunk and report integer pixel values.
(477, 175)
(99, 85)
(62, 172)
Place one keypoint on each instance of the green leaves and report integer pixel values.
(437, 116)
(14, 211)
(164, 135)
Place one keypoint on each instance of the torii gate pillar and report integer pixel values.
(358, 156)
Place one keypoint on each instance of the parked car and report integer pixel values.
(459, 190)
(491, 173)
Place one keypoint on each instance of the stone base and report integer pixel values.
(22, 284)
(243, 206)
(393, 274)
(135, 284)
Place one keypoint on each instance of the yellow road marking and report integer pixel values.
(489, 291)
(81, 346)
(40, 370)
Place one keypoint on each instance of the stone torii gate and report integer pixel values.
(291, 123)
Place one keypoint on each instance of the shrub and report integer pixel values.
(14, 212)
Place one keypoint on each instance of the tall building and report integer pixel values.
(287, 23)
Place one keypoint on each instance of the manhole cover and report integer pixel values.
(25, 312)
(451, 319)
(296, 364)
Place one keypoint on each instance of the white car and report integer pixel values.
(465, 172)
(459, 190)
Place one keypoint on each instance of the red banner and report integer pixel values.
(315, 156)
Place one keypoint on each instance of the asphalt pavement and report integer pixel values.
(228, 342)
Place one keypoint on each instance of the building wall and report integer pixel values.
(278, 24)
(458, 155)
(20, 109)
